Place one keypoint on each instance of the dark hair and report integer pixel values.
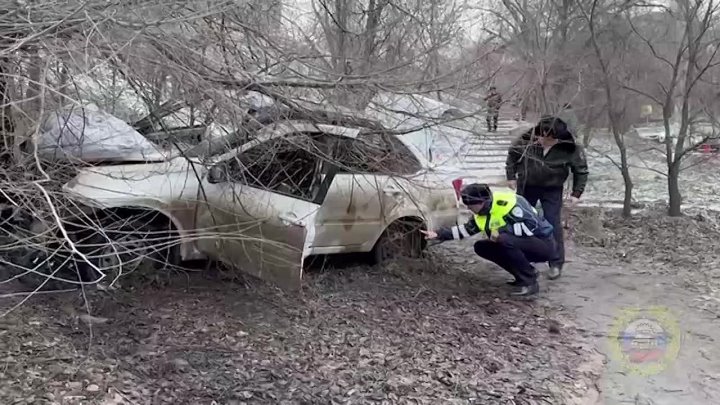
(475, 193)
(551, 126)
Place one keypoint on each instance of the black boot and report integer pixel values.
(517, 283)
(554, 271)
(526, 290)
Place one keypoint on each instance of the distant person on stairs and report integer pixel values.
(494, 101)
(537, 166)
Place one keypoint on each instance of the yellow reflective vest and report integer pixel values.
(503, 202)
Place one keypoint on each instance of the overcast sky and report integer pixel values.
(300, 13)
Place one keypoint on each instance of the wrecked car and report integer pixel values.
(67, 140)
(298, 188)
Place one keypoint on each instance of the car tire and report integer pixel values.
(136, 246)
(44, 267)
(43, 264)
(402, 238)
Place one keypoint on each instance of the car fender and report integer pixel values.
(110, 188)
(418, 212)
(182, 217)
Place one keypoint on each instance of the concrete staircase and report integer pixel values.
(485, 153)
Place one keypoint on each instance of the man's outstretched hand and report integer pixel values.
(429, 234)
(573, 201)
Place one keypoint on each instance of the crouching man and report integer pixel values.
(517, 235)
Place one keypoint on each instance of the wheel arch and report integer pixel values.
(176, 225)
(408, 219)
(125, 211)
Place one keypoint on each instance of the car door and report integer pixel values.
(351, 212)
(363, 195)
(257, 210)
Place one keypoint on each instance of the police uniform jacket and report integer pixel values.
(510, 213)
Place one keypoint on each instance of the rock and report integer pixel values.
(92, 320)
(92, 388)
(641, 399)
(74, 385)
(180, 363)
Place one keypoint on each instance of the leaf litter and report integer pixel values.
(682, 249)
(422, 333)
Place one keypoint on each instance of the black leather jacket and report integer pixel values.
(527, 164)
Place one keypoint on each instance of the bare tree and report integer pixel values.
(547, 39)
(681, 43)
(386, 40)
(611, 49)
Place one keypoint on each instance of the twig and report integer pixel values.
(20, 294)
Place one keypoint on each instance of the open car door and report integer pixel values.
(257, 210)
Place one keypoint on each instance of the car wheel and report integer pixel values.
(401, 239)
(130, 248)
(44, 263)
(49, 272)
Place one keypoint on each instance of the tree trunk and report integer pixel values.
(369, 52)
(7, 126)
(32, 93)
(674, 195)
(624, 167)
(625, 171)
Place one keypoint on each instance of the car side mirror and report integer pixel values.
(217, 174)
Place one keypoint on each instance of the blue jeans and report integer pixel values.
(515, 254)
(551, 199)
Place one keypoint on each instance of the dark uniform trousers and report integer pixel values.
(551, 199)
(516, 254)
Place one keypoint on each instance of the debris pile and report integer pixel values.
(677, 241)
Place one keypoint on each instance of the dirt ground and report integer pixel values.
(649, 262)
(438, 332)
(418, 334)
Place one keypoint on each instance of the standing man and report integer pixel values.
(494, 101)
(538, 164)
(517, 235)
